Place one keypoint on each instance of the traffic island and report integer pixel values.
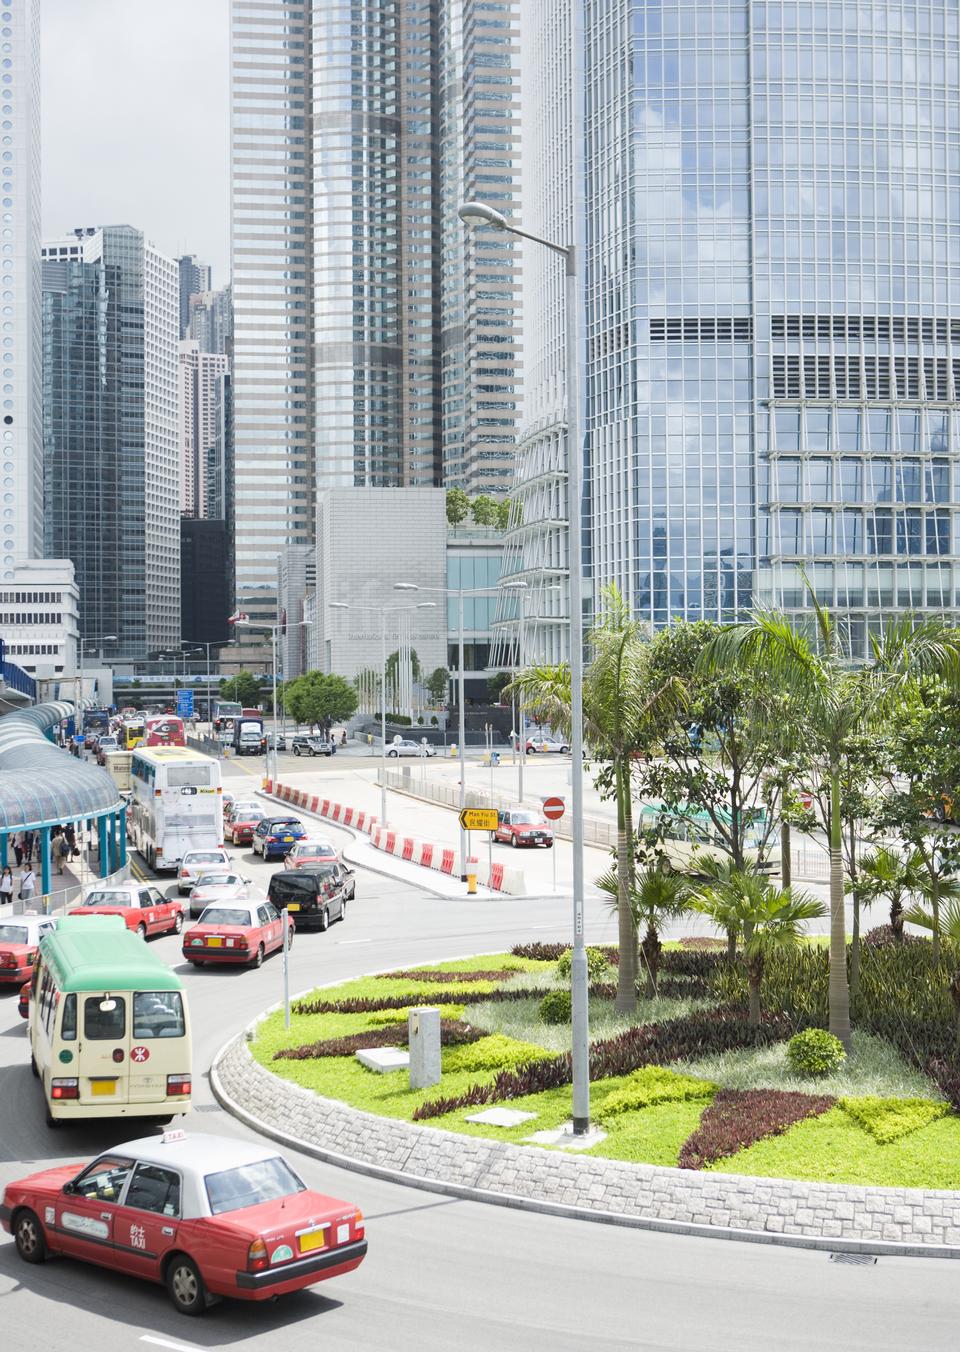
(496, 1119)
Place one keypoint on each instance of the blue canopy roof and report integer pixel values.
(42, 785)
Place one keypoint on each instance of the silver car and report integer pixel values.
(197, 862)
(217, 887)
(403, 746)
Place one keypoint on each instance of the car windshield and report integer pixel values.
(107, 899)
(225, 915)
(215, 880)
(251, 1184)
(14, 934)
(524, 819)
(203, 857)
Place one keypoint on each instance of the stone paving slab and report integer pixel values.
(812, 1215)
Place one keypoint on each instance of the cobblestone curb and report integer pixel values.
(893, 1221)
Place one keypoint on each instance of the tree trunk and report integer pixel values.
(955, 997)
(855, 939)
(896, 919)
(731, 946)
(839, 990)
(935, 910)
(754, 977)
(786, 859)
(650, 951)
(626, 1001)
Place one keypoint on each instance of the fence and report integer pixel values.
(57, 901)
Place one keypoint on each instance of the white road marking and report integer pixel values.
(354, 941)
(162, 1342)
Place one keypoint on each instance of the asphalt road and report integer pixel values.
(442, 1273)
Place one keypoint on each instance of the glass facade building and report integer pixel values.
(772, 202)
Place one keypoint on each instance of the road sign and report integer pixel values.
(185, 703)
(553, 809)
(479, 819)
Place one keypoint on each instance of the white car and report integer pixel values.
(537, 744)
(195, 863)
(216, 887)
(403, 746)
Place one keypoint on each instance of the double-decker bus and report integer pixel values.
(177, 804)
(165, 730)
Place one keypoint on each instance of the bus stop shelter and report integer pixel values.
(42, 786)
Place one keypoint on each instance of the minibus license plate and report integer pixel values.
(103, 1088)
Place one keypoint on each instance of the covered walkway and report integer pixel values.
(42, 786)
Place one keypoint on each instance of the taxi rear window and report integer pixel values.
(251, 1184)
(104, 898)
(158, 1014)
(14, 934)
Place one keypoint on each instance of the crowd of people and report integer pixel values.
(26, 851)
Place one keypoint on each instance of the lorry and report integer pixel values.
(117, 765)
(248, 735)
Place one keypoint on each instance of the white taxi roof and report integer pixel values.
(34, 924)
(127, 887)
(212, 852)
(226, 905)
(194, 1156)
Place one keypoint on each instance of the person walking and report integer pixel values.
(18, 848)
(60, 850)
(28, 847)
(28, 884)
(6, 887)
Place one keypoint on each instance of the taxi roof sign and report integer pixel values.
(169, 1137)
(479, 819)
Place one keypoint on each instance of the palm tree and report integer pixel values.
(947, 927)
(722, 878)
(622, 703)
(770, 918)
(835, 702)
(886, 874)
(655, 898)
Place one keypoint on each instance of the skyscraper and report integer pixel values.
(193, 277)
(110, 326)
(211, 320)
(204, 397)
(773, 304)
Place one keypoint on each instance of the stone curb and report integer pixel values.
(826, 1216)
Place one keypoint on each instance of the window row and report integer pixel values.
(818, 533)
(847, 479)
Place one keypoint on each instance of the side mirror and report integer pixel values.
(70, 1188)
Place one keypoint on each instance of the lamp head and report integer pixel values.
(405, 586)
(478, 213)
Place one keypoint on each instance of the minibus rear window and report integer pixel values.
(158, 1014)
(104, 1025)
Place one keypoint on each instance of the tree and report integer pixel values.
(655, 898)
(393, 666)
(945, 928)
(484, 510)
(243, 688)
(504, 511)
(438, 685)
(496, 685)
(769, 917)
(621, 710)
(833, 702)
(885, 875)
(321, 699)
(458, 506)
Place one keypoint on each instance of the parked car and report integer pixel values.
(312, 746)
(537, 744)
(276, 741)
(273, 837)
(213, 888)
(236, 932)
(521, 826)
(197, 862)
(314, 896)
(20, 937)
(144, 909)
(308, 852)
(106, 743)
(403, 746)
(204, 1216)
(242, 823)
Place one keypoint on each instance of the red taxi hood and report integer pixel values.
(49, 1181)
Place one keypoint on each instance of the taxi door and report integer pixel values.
(272, 926)
(145, 1226)
(154, 907)
(102, 1060)
(85, 1210)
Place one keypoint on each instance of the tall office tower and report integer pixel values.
(204, 381)
(211, 320)
(110, 436)
(479, 148)
(22, 533)
(194, 277)
(773, 304)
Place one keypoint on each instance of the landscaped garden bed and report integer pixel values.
(688, 1081)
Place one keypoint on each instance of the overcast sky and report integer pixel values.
(136, 121)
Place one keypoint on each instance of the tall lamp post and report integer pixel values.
(480, 214)
(104, 638)
(383, 612)
(201, 647)
(273, 630)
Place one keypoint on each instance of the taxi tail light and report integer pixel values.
(64, 1089)
(242, 942)
(257, 1257)
(358, 1224)
(178, 1086)
(9, 960)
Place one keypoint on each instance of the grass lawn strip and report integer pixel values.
(891, 1119)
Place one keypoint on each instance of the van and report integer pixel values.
(313, 896)
(109, 1025)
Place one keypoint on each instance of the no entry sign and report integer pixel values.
(553, 809)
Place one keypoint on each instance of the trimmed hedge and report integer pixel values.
(815, 1052)
(738, 1118)
(448, 978)
(496, 1052)
(652, 1085)
(453, 1033)
(890, 1119)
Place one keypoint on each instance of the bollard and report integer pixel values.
(471, 884)
(423, 1037)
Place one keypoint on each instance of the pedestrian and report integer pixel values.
(71, 834)
(60, 850)
(343, 737)
(6, 887)
(28, 884)
(28, 846)
(18, 848)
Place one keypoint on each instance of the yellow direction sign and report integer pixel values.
(479, 819)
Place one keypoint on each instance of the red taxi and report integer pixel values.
(145, 909)
(19, 940)
(205, 1216)
(306, 853)
(521, 826)
(236, 932)
(244, 819)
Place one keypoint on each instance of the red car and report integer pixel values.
(306, 853)
(204, 1216)
(145, 910)
(242, 823)
(236, 932)
(19, 940)
(520, 826)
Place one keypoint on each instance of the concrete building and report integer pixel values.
(204, 384)
(211, 320)
(193, 277)
(39, 610)
(296, 577)
(110, 433)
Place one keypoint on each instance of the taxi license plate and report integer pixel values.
(215, 943)
(313, 1239)
(293, 905)
(103, 1088)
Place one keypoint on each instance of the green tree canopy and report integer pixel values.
(504, 510)
(496, 685)
(318, 698)
(393, 666)
(438, 684)
(484, 510)
(244, 688)
(458, 506)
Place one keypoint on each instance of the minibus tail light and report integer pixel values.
(178, 1086)
(64, 1089)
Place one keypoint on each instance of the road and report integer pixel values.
(443, 1273)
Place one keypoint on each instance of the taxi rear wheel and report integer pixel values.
(141, 931)
(185, 1285)
(178, 923)
(257, 959)
(28, 1237)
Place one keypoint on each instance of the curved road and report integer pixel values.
(443, 1273)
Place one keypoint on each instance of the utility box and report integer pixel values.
(423, 1027)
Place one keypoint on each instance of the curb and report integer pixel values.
(541, 1206)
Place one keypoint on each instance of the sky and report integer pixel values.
(136, 121)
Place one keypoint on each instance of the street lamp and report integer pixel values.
(274, 629)
(480, 214)
(104, 638)
(201, 647)
(521, 587)
(383, 611)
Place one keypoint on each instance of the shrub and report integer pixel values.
(385, 1016)
(815, 1052)
(883, 937)
(889, 1119)
(496, 1052)
(450, 978)
(453, 1033)
(596, 965)
(556, 1007)
(738, 1118)
(653, 1084)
